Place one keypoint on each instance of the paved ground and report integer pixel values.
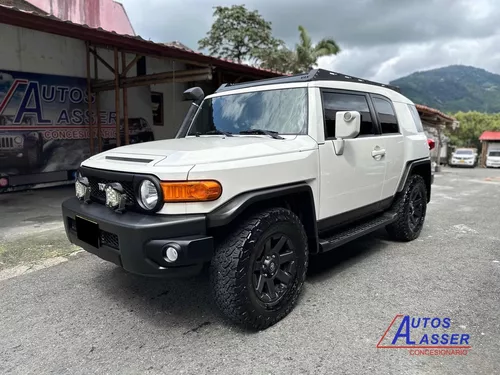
(85, 316)
(31, 229)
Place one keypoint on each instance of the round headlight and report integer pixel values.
(18, 140)
(148, 195)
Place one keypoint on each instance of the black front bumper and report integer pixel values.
(137, 242)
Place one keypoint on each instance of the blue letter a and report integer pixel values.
(404, 324)
(31, 91)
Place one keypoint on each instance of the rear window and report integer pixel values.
(416, 118)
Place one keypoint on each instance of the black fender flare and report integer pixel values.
(410, 167)
(229, 211)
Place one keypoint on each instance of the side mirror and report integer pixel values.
(194, 94)
(347, 125)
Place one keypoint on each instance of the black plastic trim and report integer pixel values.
(410, 165)
(142, 238)
(134, 178)
(313, 75)
(224, 214)
(334, 222)
(356, 231)
(138, 179)
(134, 160)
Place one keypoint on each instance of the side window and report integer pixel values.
(335, 102)
(386, 115)
(416, 118)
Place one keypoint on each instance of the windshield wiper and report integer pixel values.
(270, 133)
(217, 131)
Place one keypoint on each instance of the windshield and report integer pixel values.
(494, 153)
(463, 152)
(283, 111)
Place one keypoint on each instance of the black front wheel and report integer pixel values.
(258, 270)
(411, 207)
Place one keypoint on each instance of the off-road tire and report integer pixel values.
(232, 268)
(401, 229)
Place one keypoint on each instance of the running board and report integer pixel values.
(358, 230)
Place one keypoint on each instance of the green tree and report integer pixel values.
(303, 58)
(472, 125)
(238, 34)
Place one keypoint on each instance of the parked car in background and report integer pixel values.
(23, 148)
(466, 157)
(493, 159)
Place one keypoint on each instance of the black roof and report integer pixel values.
(313, 75)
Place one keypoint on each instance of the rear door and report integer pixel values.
(393, 141)
(353, 180)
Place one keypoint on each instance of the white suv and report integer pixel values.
(493, 159)
(465, 157)
(260, 176)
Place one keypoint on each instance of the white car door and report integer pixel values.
(393, 142)
(352, 182)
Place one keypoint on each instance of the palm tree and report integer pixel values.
(307, 55)
(300, 60)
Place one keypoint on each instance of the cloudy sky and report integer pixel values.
(380, 39)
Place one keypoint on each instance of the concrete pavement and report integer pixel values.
(87, 316)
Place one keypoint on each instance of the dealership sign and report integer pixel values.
(54, 105)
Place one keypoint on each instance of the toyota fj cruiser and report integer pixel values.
(260, 176)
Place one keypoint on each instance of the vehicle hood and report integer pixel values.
(205, 149)
(493, 158)
(463, 156)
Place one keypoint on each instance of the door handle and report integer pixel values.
(378, 152)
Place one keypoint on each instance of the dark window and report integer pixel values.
(141, 66)
(335, 102)
(386, 115)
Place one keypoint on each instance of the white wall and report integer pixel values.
(493, 146)
(173, 107)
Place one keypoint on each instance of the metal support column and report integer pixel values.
(125, 100)
(89, 100)
(117, 98)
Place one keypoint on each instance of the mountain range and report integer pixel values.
(453, 88)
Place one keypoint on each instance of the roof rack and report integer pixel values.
(313, 75)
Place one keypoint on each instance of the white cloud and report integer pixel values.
(380, 39)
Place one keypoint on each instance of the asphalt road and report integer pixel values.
(86, 316)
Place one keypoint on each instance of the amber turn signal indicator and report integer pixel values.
(191, 191)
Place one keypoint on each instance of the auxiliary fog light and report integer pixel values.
(115, 197)
(171, 254)
(82, 188)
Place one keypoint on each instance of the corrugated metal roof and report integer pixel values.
(490, 136)
(52, 24)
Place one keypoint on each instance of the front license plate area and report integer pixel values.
(87, 231)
